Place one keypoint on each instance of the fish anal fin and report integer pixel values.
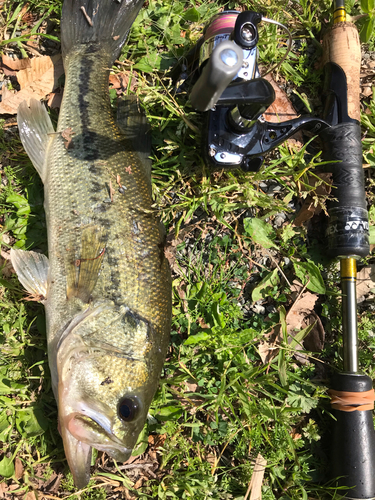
(83, 270)
(35, 127)
(32, 271)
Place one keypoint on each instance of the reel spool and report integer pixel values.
(221, 29)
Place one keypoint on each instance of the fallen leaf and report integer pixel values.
(156, 440)
(121, 80)
(365, 281)
(309, 207)
(3, 490)
(15, 64)
(282, 110)
(314, 341)
(8, 72)
(305, 213)
(268, 349)
(30, 496)
(18, 468)
(299, 310)
(37, 70)
(138, 484)
(202, 323)
(53, 483)
(295, 436)
(366, 91)
(191, 386)
(6, 93)
(36, 82)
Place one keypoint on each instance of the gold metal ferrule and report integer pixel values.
(348, 268)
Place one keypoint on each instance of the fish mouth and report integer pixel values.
(80, 434)
(95, 431)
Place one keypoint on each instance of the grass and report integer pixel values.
(218, 404)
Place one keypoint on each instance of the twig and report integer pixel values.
(88, 18)
(32, 51)
(255, 486)
(278, 267)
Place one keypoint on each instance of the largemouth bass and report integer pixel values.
(106, 283)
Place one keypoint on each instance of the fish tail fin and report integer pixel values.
(102, 22)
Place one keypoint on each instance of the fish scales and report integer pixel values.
(106, 285)
(134, 270)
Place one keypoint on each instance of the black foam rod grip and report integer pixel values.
(353, 442)
(348, 228)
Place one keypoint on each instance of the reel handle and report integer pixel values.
(223, 65)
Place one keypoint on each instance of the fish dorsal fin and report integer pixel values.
(32, 271)
(133, 122)
(83, 268)
(35, 126)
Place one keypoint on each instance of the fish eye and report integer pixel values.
(128, 409)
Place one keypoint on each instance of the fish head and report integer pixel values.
(107, 378)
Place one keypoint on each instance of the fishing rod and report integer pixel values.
(352, 394)
(233, 95)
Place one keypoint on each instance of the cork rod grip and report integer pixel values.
(341, 45)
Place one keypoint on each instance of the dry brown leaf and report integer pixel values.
(114, 80)
(18, 468)
(305, 213)
(37, 70)
(6, 93)
(366, 91)
(282, 110)
(156, 440)
(308, 209)
(267, 352)
(30, 496)
(202, 323)
(53, 483)
(191, 386)
(15, 64)
(299, 310)
(314, 341)
(365, 281)
(3, 490)
(268, 349)
(121, 80)
(37, 82)
(8, 72)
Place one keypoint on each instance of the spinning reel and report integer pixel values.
(235, 96)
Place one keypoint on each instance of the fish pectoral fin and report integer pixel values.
(35, 129)
(83, 271)
(32, 271)
(133, 122)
